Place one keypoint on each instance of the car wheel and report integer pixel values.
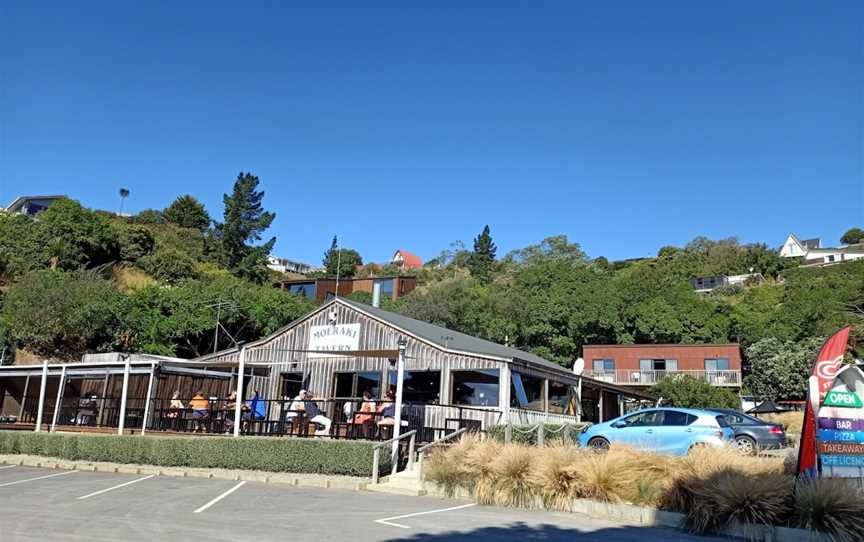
(745, 445)
(598, 444)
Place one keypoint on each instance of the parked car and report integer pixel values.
(753, 434)
(666, 430)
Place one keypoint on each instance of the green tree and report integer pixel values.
(63, 315)
(551, 248)
(149, 216)
(684, 391)
(74, 237)
(169, 265)
(853, 236)
(244, 221)
(482, 260)
(135, 242)
(780, 369)
(187, 212)
(341, 262)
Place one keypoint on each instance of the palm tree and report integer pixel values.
(124, 193)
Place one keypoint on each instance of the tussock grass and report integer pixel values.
(793, 421)
(832, 506)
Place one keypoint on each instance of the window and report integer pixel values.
(648, 365)
(717, 364)
(527, 392)
(306, 289)
(354, 384)
(603, 365)
(419, 386)
(641, 419)
(292, 383)
(674, 417)
(476, 388)
(386, 287)
(829, 258)
(561, 399)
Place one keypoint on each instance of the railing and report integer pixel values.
(636, 377)
(376, 453)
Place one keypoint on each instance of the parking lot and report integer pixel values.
(42, 504)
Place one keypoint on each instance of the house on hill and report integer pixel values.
(814, 255)
(406, 260)
(31, 205)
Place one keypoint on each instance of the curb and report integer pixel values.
(276, 478)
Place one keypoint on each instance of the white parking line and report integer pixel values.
(81, 498)
(8, 467)
(387, 521)
(219, 498)
(38, 478)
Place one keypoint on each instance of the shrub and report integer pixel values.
(832, 506)
(558, 476)
(511, 471)
(353, 458)
(553, 433)
(170, 265)
(684, 391)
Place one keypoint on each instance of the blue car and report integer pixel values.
(665, 430)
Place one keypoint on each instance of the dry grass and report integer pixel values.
(832, 506)
(793, 421)
(558, 476)
(131, 278)
(512, 478)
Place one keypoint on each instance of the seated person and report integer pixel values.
(200, 409)
(314, 415)
(176, 406)
(366, 415)
(231, 407)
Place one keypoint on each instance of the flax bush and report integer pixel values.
(353, 458)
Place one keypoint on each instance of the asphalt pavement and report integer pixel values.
(45, 504)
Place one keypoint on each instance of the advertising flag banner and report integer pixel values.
(828, 364)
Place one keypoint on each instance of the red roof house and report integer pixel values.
(406, 260)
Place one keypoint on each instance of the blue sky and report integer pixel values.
(625, 125)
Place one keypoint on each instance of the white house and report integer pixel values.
(814, 254)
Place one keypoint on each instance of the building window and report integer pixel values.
(292, 383)
(829, 258)
(386, 287)
(601, 366)
(649, 365)
(475, 388)
(354, 384)
(527, 392)
(307, 289)
(717, 364)
(419, 386)
(562, 400)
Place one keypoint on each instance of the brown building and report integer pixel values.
(323, 289)
(646, 364)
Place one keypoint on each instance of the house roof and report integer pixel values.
(409, 260)
(20, 200)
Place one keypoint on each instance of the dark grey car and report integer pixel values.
(753, 434)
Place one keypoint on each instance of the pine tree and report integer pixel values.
(483, 258)
(187, 212)
(245, 221)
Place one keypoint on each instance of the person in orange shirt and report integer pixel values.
(200, 409)
(366, 415)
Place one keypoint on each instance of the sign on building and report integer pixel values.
(840, 423)
(334, 338)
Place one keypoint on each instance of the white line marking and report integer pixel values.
(38, 478)
(387, 521)
(81, 498)
(219, 498)
(8, 467)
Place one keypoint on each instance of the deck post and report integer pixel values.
(600, 407)
(397, 417)
(24, 397)
(148, 398)
(241, 372)
(123, 395)
(41, 407)
(59, 398)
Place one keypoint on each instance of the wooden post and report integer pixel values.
(241, 373)
(102, 398)
(508, 433)
(24, 397)
(397, 417)
(59, 398)
(541, 434)
(376, 459)
(148, 398)
(123, 395)
(41, 408)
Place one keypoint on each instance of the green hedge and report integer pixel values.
(353, 458)
(527, 434)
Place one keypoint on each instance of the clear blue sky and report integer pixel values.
(625, 125)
